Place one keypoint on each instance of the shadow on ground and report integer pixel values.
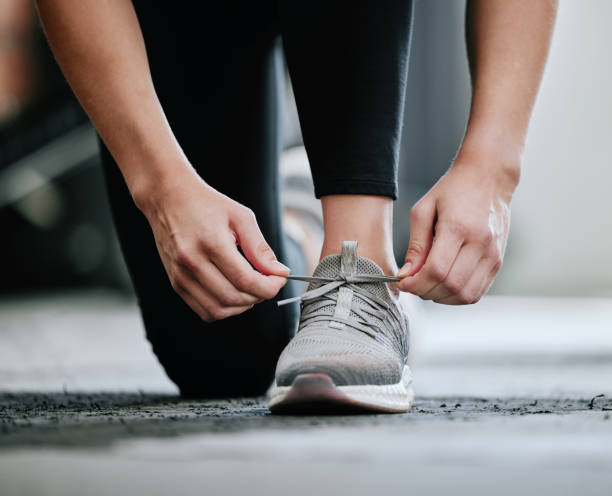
(100, 419)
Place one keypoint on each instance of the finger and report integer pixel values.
(191, 291)
(255, 247)
(444, 251)
(192, 302)
(422, 218)
(488, 281)
(463, 270)
(478, 285)
(212, 280)
(193, 265)
(243, 277)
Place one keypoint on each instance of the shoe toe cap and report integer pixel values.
(346, 361)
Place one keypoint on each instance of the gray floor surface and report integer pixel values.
(513, 394)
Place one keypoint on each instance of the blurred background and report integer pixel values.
(72, 341)
(56, 225)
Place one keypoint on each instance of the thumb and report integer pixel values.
(256, 249)
(422, 218)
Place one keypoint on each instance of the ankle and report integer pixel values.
(383, 257)
(362, 218)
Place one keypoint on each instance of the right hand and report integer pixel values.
(197, 231)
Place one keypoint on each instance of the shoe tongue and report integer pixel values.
(331, 266)
(348, 261)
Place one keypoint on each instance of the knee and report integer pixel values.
(232, 358)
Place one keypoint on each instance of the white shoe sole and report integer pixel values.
(316, 393)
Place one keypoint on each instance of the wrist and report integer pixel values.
(493, 154)
(152, 185)
(148, 156)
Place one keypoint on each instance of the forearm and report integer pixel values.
(507, 44)
(100, 48)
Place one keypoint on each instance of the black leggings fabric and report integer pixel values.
(217, 71)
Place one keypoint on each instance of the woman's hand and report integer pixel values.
(198, 231)
(458, 232)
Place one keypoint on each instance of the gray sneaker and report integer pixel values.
(351, 349)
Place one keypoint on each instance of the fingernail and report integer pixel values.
(405, 270)
(281, 267)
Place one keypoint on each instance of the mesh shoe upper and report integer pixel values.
(352, 327)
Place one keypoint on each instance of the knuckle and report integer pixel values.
(210, 244)
(264, 249)
(468, 298)
(248, 213)
(221, 313)
(203, 313)
(229, 298)
(415, 249)
(498, 265)
(462, 299)
(245, 215)
(268, 292)
(183, 256)
(216, 312)
(454, 285)
(437, 272)
(244, 282)
(271, 292)
(418, 210)
(483, 237)
(496, 258)
(176, 283)
(495, 253)
(460, 228)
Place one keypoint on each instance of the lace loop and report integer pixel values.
(366, 306)
(332, 283)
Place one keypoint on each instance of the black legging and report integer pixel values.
(217, 75)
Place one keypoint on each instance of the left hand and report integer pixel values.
(458, 232)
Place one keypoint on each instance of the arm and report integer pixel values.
(101, 50)
(460, 227)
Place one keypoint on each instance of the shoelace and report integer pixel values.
(368, 304)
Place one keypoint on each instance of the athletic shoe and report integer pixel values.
(351, 349)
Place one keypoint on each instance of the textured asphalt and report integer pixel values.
(513, 395)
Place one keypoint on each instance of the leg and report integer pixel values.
(348, 63)
(220, 100)
(365, 218)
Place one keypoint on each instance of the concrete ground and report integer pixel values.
(514, 395)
